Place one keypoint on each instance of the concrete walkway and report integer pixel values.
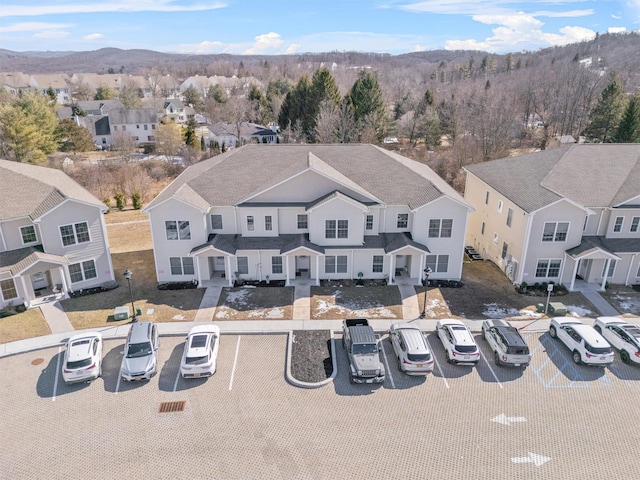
(590, 291)
(56, 317)
(410, 307)
(302, 301)
(208, 304)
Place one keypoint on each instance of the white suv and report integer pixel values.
(458, 342)
(586, 344)
(411, 349)
(623, 336)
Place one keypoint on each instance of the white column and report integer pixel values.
(606, 272)
(392, 269)
(423, 259)
(288, 282)
(227, 270)
(573, 275)
(317, 270)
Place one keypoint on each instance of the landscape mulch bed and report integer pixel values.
(311, 355)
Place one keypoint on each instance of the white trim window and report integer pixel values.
(617, 226)
(216, 221)
(403, 220)
(440, 227)
(268, 223)
(500, 206)
(182, 266)
(368, 224)
(79, 272)
(438, 263)
(505, 248)
(74, 233)
(250, 223)
(8, 289)
(336, 229)
(28, 234)
(612, 268)
(635, 222)
(378, 264)
(555, 231)
(276, 265)
(335, 264)
(303, 221)
(177, 229)
(243, 265)
(509, 217)
(548, 268)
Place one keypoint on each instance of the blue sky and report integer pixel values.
(299, 26)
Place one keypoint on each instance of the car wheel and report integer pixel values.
(351, 380)
(552, 331)
(496, 357)
(446, 352)
(344, 344)
(100, 372)
(624, 356)
(598, 329)
(399, 364)
(576, 357)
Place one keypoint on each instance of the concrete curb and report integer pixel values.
(309, 385)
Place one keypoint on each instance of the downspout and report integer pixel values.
(352, 264)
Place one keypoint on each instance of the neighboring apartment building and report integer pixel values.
(282, 212)
(52, 235)
(232, 134)
(140, 123)
(559, 214)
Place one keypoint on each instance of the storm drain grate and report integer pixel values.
(171, 407)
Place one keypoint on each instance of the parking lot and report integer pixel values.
(553, 419)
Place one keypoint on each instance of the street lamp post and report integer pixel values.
(127, 274)
(427, 271)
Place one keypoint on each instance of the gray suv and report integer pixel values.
(509, 348)
(140, 352)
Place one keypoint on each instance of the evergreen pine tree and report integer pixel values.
(606, 114)
(629, 128)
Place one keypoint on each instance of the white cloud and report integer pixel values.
(616, 30)
(203, 48)
(419, 48)
(114, 6)
(51, 34)
(519, 31)
(567, 14)
(293, 48)
(267, 41)
(93, 36)
(33, 27)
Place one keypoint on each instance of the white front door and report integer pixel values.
(39, 281)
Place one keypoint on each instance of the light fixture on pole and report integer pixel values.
(127, 274)
(427, 271)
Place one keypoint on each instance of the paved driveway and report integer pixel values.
(551, 420)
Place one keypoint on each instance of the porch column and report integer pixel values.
(606, 273)
(573, 275)
(26, 298)
(198, 272)
(423, 260)
(227, 270)
(392, 269)
(65, 285)
(288, 282)
(317, 270)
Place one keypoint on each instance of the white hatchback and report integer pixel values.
(200, 352)
(586, 344)
(623, 336)
(458, 342)
(82, 358)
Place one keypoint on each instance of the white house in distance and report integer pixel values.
(560, 214)
(282, 212)
(52, 235)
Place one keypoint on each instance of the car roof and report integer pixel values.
(461, 334)
(567, 320)
(611, 320)
(79, 346)
(590, 334)
(140, 332)
(511, 335)
(450, 322)
(413, 338)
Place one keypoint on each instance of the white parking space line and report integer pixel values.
(55, 385)
(490, 369)
(235, 361)
(386, 364)
(446, 384)
(175, 384)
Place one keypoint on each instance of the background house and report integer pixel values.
(560, 214)
(52, 235)
(307, 211)
(236, 134)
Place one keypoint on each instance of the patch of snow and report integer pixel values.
(576, 311)
(530, 313)
(238, 297)
(150, 311)
(493, 310)
(275, 313)
(222, 313)
(178, 317)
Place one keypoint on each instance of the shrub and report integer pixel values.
(119, 197)
(136, 200)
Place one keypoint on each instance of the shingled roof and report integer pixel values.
(239, 174)
(592, 175)
(31, 191)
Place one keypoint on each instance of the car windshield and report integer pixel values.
(466, 348)
(597, 350)
(419, 357)
(139, 350)
(79, 364)
(364, 348)
(196, 360)
(633, 331)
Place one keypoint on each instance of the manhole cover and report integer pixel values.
(170, 407)
(37, 361)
